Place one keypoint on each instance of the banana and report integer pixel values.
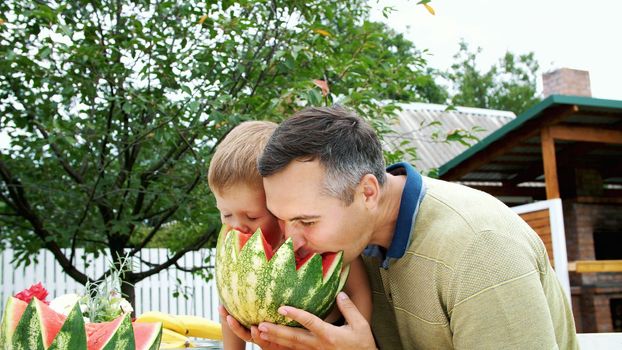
(171, 336)
(182, 326)
(168, 321)
(176, 344)
(201, 327)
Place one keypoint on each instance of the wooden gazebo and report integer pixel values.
(568, 149)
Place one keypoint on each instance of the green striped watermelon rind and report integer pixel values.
(72, 335)
(252, 288)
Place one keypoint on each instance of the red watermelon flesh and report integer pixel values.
(327, 258)
(146, 334)
(99, 334)
(51, 322)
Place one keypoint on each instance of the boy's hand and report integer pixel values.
(355, 334)
(251, 336)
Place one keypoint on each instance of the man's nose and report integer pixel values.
(299, 242)
(297, 237)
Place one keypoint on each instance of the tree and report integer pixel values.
(114, 109)
(509, 85)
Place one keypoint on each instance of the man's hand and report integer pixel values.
(355, 334)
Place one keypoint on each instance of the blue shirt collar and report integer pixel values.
(412, 195)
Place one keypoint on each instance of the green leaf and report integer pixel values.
(44, 52)
(185, 89)
(314, 97)
(193, 106)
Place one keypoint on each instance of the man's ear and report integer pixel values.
(370, 188)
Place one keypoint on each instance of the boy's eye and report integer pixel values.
(226, 216)
(307, 223)
(252, 217)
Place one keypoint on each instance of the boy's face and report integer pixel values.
(317, 222)
(243, 207)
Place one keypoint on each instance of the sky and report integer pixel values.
(579, 34)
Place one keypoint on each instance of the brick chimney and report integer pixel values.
(566, 81)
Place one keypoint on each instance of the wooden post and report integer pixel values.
(550, 164)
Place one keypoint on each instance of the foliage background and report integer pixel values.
(114, 108)
(509, 85)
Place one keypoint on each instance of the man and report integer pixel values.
(450, 267)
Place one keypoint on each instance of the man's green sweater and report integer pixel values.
(474, 276)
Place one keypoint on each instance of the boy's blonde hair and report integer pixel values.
(235, 159)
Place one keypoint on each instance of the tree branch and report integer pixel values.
(192, 269)
(196, 245)
(164, 218)
(16, 192)
(179, 267)
(68, 168)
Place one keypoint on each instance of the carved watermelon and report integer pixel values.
(36, 326)
(253, 281)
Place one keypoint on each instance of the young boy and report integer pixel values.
(240, 198)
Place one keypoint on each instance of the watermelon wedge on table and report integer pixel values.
(118, 332)
(12, 313)
(147, 336)
(40, 327)
(36, 326)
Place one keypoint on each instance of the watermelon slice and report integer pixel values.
(116, 334)
(147, 335)
(121, 333)
(12, 314)
(37, 326)
(71, 335)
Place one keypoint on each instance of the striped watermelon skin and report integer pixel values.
(72, 335)
(252, 288)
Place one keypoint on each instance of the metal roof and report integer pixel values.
(417, 124)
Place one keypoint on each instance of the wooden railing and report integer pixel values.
(588, 266)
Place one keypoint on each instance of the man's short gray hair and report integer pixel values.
(344, 144)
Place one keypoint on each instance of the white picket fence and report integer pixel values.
(153, 293)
